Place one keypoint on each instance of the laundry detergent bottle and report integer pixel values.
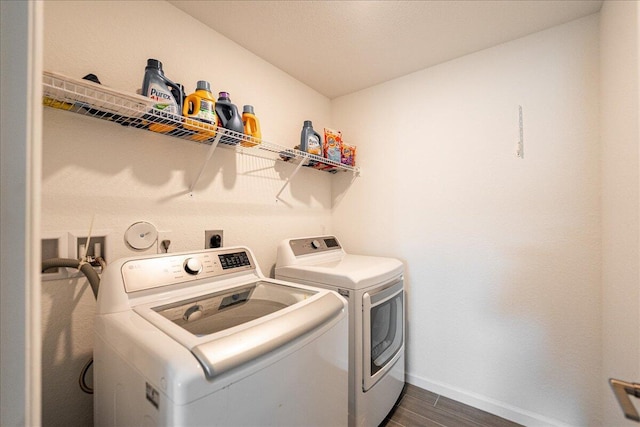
(199, 108)
(228, 117)
(310, 141)
(251, 127)
(167, 94)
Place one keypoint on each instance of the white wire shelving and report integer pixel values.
(92, 99)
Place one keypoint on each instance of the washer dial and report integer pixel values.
(192, 266)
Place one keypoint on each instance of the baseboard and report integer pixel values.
(501, 409)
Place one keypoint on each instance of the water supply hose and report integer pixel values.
(94, 281)
(83, 266)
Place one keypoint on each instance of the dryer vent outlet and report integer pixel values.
(213, 239)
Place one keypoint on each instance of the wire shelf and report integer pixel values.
(92, 99)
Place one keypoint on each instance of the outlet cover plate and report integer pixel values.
(208, 234)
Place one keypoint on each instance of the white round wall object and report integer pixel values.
(141, 235)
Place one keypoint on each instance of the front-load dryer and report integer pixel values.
(374, 288)
(204, 339)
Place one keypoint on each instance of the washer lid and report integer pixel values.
(230, 351)
(224, 330)
(350, 271)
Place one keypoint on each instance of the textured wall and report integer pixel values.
(502, 253)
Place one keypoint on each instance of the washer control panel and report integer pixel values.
(234, 260)
(311, 245)
(158, 271)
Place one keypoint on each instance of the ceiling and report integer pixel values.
(339, 47)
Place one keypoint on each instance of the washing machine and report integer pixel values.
(374, 287)
(204, 339)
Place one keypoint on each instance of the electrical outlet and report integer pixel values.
(164, 241)
(213, 238)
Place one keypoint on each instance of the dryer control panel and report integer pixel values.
(311, 245)
(154, 272)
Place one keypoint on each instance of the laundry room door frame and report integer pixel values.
(21, 50)
(619, 39)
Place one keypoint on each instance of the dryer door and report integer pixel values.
(383, 323)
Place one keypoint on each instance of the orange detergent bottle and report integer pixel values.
(251, 127)
(199, 108)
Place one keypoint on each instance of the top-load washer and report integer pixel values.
(374, 288)
(203, 338)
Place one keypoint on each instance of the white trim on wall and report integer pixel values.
(478, 401)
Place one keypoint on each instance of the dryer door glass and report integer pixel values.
(383, 321)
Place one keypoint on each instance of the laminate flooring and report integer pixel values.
(417, 407)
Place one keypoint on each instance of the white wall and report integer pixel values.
(620, 134)
(125, 175)
(502, 254)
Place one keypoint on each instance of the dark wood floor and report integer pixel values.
(421, 408)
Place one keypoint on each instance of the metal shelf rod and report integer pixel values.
(302, 162)
(212, 148)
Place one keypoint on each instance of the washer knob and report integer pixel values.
(192, 266)
(315, 244)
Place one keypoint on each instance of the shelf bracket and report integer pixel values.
(212, 148)
(303, 160)
(622, 391)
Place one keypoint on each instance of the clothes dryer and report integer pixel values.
(374, 287)
(203, 338)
